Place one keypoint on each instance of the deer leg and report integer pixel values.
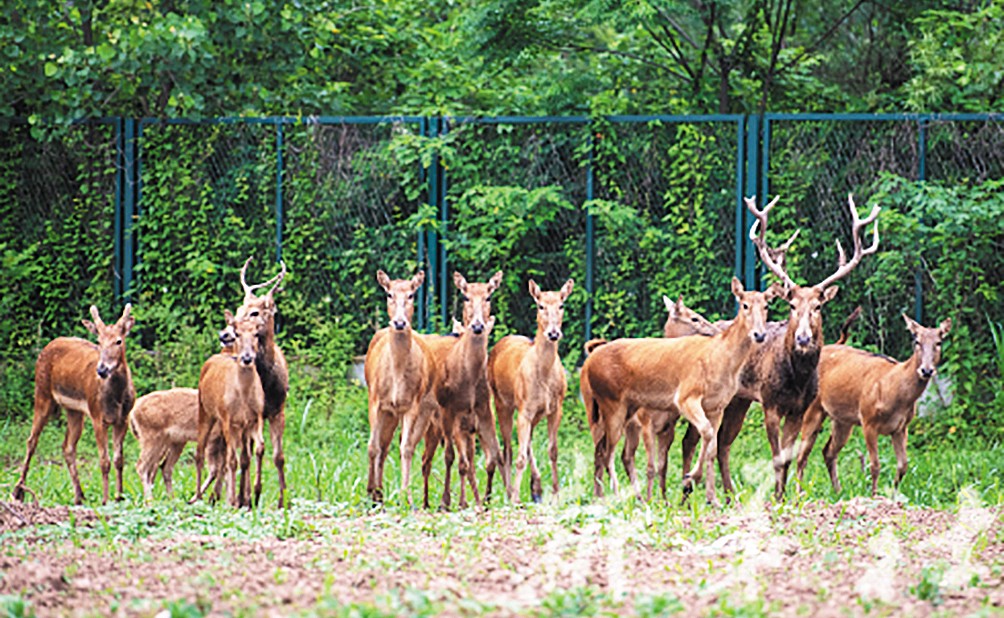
(792, 427)
(553, 421)
(101, 436)
(505, 413)
(413, 427)
(146, 468)
(167, 468)
(732, 421)
(838, 438)
(484, 423)
(449, 453)
(524, 430)
(690, 441)
(707, 425)
(772, 423)
(536, 491)
(899, 446)
(665, 440)
(633, 430)
(871, 443)
(45, 407)
(614, 428)
(276, 428)
(244, 495)
(74, 427)
(205, 428)
(388, 425)
(259, 455)
(118, 436)
(599, 461)
(374, 483)
(432, 440)
(812, 421)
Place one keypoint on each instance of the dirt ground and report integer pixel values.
(858, 557)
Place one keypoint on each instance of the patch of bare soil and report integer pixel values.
(851, 558)
(15, 515)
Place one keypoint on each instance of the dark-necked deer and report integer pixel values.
(272, 371)
(83, 378)
(399, 373)
(694, 376)
(527, 374)
(460, 394)
(860, 388)
(782, 374)
(231, 396)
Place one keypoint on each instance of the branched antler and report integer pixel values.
(249, 289)
(857, 224)
(773, 259)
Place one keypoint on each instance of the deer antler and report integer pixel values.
(773, 259)
(843, 266)
(249, 289)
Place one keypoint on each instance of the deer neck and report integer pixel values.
(802, 360)
(903, 378)
(736, 345)
(114, 390)
(546, 351)
(266, 344)
(471, 356)
(400, 347)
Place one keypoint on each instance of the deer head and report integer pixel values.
(400, 297)
(111, 339)
(477, 299)
(245, 344)
(550, 308)
(682, 321)
(927, 345)
(752, 312)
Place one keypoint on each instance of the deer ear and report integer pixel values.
(776, 290)
(383, 280)
(910, 324)
(90, 326)
(96, 316)
(566, 289)
(829, 293)
(495, 282)
(737, 287)
(944, 327)
(231, 321)
(670, 305)
(459, 281)
(534, 289)
(418, 280)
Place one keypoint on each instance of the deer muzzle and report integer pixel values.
(246, 358)
(926, 373)
(554, 334)
(104, 371)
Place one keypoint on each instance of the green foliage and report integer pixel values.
(15, 607)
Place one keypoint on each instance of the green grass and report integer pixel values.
(326, 463)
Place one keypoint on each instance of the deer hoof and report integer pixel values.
(537, 498)
(17, 494)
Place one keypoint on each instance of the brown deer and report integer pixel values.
(163, 423)
(272, 370)
(873, 391)
(527, 374)
(694, 376)
(460, 394)
(782, 374)
(84, 378)
(399, 373)
(231, 395)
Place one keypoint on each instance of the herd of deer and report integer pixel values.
(440, 388)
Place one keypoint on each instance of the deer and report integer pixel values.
(163, 422)
(874, 391)
(84, 378)
(527, 374)
(782, 374)
(459, 399)
(272, 371)
(692, 376)
(231, 395)
(399, 372)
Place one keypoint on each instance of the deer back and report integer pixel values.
(168, 416)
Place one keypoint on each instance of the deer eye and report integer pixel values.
(693, 319)
(411, 296)
(118, 342)
(464, 297)
(746, 306)
(254, 314)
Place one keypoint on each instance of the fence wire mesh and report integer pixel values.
(57, 221)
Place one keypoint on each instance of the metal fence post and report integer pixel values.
(752, 172)
(590, 243)
(918, 281)
(278, 190)
(131, 133)
(444, 218)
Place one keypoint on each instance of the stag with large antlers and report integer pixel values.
(272, 370)
(782, 374)
(83, 378)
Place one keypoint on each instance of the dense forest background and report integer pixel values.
(64, 61)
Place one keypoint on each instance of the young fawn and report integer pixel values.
(527, 374)
(84, 378)
(873, 391)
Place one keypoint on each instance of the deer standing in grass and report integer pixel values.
(460, 394)
(84, 378)
(527, 374)
(694, 376)
(163, 423)
(874, 391)
(399, 373)
(782, 374)
(231, 395)
(272, 371)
